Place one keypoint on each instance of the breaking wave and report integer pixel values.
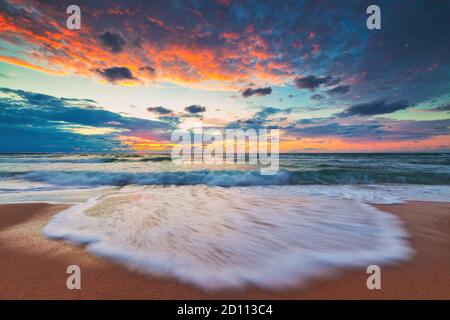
(228, 178)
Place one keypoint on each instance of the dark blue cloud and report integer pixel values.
(267, 117)
(311, 82)
(371, 130)
(34, 122)
(339, 89)
(336, 129)
(374, 108)
(264, 91)
(159, 110)
(268, 111)
(195, 108)
(114, 74)
(112, 41)
(409, 58)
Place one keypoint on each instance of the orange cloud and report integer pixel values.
(47, 42)
(22, 63)
(230, 36)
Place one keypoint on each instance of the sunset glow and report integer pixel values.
(131, 75)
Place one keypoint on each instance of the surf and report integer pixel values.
(216, 237)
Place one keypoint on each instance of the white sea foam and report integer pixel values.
(7, 185)
(29, 194)
(218, 237)
(376, 194)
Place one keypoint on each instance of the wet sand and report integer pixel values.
(32, 267)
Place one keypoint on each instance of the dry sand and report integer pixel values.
(32, 267)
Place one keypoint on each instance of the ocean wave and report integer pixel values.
(229, 178)
(219, 237)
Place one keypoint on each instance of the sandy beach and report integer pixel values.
(33, 267)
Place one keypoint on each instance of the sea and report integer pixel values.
(228, 226)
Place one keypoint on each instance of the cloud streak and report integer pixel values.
(159, 110)
(312, 82)
(195, 108)
(264, 91)
(374, 108)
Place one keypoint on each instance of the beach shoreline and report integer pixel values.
(33, 267)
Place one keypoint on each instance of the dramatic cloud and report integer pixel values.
(268, 111)
(148, 69)
(212, 49)
(257, 91)
(339, 89)
(51, 124)
(374, 108)
(336, 129)
(312, 82)
(266, 117)
(380, 130)
(159, 110)
(207, 45)
(195, 109)
(112, 41)
(116, 74)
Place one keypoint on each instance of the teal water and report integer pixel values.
(294, 169)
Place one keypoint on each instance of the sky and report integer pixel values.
(138, 70)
